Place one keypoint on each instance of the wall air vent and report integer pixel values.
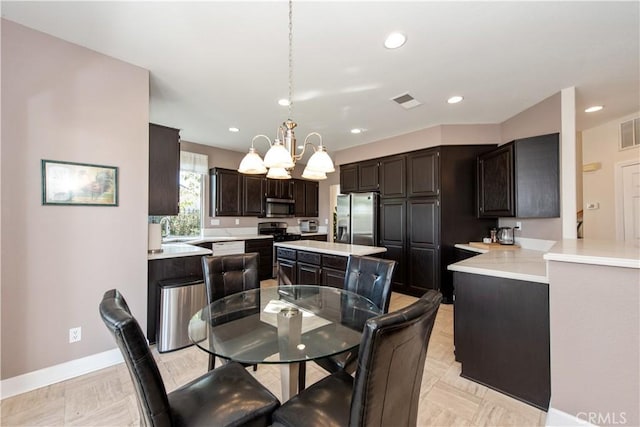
(406, 101)
(629, 134)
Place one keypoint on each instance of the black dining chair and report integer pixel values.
(227, 396)
(386, 388)
(371, 278)
(229, 274)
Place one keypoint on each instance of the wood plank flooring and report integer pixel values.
(106, 397)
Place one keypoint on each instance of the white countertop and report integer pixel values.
(340, 249)
(597, 252)
(518, 264)
(174, 250)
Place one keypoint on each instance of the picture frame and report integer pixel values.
(78, 184)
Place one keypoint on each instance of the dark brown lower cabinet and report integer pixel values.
(297, 267)
(264, 247)
(501, 335)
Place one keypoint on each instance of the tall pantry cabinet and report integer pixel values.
(427, 205)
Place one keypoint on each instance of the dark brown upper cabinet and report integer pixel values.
(368, 175)
(253, 190)
(226, 190)
(424, 174)
(305, 193)
(521, 179)
(311, 198)
(393, 177)
(280, 188)
(164, 170)
(348, 178)
(359, 177)
(495, 183)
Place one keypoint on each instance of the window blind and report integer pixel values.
(194, 162)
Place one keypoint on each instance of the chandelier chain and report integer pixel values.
(290, 55)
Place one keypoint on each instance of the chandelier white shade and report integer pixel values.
(252, 163)
(281, 156)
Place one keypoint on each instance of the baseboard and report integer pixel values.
(557, 418)
(54, 374)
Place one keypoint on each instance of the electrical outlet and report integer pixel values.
(75, 334)
(215, 222)
(519, 225)
(237, 221)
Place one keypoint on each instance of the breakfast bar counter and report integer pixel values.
(339, 249)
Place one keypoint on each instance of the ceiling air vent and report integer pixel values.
(406, 101)
(629, 134)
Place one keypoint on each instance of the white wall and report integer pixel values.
(600, 144)
(64, 102)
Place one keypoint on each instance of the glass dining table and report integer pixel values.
(286, 325)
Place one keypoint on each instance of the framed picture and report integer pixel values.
(67, 183)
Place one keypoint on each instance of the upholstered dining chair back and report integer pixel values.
(147, 381)
(371, 278)
(226, 397)
(391, 360)
(229, 274)
(386, 389)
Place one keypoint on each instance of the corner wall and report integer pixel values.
(63, 102)
(600, 144)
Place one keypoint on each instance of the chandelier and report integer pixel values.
(282, 156)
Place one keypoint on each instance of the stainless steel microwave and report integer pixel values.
(279, 208)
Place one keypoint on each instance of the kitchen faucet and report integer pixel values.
(167, 225)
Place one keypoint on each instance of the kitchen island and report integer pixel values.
(306, 262)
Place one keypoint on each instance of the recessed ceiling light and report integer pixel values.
(356, 131)
(395, 40)
(234, 130)
(455, 99)
(284, 102)
(594, 108)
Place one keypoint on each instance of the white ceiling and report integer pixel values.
(219, 64)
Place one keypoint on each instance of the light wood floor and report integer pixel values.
(106, 397)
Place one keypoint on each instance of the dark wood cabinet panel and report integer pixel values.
(368, 176)
(164, 170)
(299, 197)
(503, 341)
(393, 237)
(333, 278)
(495, 183)
(311, 198)
(397, 253)
(253, 190)
(307, 274)
(286, 272)
(393, 177)
(264, 247)
(424, 221)
(225, 197)
(319, 237)
(424, 173)
(348, 178)
(280, 188)
(423, 270)
(537, 177)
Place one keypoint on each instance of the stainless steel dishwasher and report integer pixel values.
(180, 299)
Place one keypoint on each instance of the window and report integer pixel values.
(193, 169)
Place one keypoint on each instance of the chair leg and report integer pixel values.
(212, 362)
(255, 368)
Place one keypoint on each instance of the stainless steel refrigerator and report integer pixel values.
(357, 219)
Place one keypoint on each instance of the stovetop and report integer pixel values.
(278, 230)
